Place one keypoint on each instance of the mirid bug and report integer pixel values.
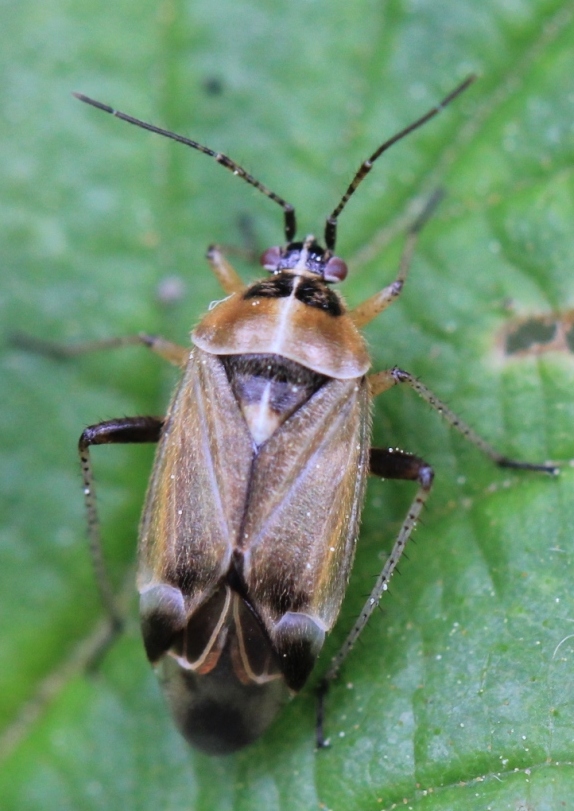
(252, 513)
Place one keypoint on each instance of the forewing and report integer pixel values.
(305, 498)
(197, 494)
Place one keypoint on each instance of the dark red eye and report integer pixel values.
(270, 258)
(335, 270)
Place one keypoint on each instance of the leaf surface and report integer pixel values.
(460, 695)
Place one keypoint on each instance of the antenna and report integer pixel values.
(288, 210)
(366, 166)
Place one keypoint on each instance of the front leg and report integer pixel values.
(373, 306)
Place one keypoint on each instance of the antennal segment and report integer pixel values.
(224, 160)
(366, 166)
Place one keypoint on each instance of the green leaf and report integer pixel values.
(461, 693)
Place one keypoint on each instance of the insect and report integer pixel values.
(252, 513)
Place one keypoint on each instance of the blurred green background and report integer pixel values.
(461, 694)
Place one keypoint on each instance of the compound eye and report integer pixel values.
(335, 270)
(270, 258)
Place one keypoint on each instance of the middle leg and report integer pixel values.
(382, 381)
